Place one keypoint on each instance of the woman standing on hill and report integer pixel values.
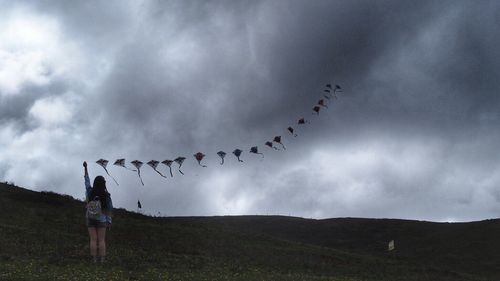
(98, 214)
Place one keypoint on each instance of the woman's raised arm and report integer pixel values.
(85, 168)
(88, 188)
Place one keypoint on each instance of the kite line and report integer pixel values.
(330, 93)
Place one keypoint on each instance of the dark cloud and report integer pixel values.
(412, 136)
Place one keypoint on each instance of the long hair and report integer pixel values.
(99, 190)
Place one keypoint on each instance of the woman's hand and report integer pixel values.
(85, 168)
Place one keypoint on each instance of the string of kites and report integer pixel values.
(330, 92)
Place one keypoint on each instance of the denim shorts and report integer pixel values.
(96, 223)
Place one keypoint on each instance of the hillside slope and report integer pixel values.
(43, 236)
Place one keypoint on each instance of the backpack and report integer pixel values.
(94, 210)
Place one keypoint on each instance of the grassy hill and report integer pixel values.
(43, 237)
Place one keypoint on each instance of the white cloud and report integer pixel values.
(51, 111)
(33, 51)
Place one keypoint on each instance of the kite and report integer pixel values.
(303, 121)
(169, 164)
(103, 164)
(221, 154)
(237, 153)
(154, 164)
(138, 165)
(316, 109)
(337, 89)
(322, 103)
(179, 160)
(277, 139)
(329, 95)
(199, 156)
(139, 206)
(270, 144)
(121, 163)
(255, 150)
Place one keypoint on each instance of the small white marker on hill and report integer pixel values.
(391, 245)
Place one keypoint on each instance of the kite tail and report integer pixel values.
(139, 173)
(131, 169)
(171, 175)
(239, 160)
(181, 171)
(222, 162)
(284, 148)
(275, 148)
(160, 173)
(295, 135)
(110, 175)
(114, 180)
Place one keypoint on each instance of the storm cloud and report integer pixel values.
(414, 134)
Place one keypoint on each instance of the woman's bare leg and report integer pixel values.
(93, 241)
(101, 241)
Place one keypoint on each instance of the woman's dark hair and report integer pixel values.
(99, 190)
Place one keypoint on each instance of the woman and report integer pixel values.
(97, 225)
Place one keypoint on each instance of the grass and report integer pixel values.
(43, 237)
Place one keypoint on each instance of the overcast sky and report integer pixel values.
(414, 135)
